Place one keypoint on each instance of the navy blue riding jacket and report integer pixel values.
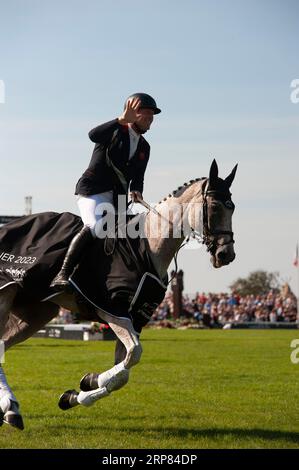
(100, 176)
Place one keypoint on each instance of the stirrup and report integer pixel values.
(60, 282)
(59, 289)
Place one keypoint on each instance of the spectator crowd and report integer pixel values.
(220, 309)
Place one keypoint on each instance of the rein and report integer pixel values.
(152, 209)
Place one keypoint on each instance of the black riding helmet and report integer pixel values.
(146, 102)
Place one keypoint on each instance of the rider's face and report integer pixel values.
(144, 119)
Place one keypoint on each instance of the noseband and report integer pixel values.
(210, 237)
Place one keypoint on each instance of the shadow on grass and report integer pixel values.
(176, 340)
(186, 433)
(49, 345)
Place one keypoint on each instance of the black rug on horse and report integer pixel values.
(32, 249)
(116, 275)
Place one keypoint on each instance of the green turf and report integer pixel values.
(192, 389)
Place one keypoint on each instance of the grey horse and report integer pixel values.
(201, 208)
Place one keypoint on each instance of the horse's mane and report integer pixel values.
(185, 185)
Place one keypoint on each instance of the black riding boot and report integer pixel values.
(72, 258)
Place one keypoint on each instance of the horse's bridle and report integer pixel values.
(210, 237)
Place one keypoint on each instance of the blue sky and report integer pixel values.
(221, 72)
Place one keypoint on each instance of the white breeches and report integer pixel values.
(91, 208)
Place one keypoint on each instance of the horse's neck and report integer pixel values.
(159, 231)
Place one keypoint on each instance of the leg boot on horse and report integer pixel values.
(9, 409)
(97, 386)
(93, 380)
(101, 386)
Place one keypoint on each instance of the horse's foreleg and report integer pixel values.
(127, 354)
(9, 407)
(130, 339)
(120, 352)
(90, 381)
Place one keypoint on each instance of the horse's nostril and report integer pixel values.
(225, 256)
(222, 255)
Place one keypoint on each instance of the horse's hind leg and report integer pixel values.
(9, 407)
(25, 319)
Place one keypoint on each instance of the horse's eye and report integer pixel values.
(229, 204)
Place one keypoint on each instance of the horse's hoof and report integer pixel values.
(11, 415)
(68, 400)
(14, 419)
(89, 382)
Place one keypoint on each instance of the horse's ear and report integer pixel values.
(213, 172)
(230, 178)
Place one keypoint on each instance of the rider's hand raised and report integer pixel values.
(130, 113)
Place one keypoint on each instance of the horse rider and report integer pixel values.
(119, 160)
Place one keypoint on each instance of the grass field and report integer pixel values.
(192, 389)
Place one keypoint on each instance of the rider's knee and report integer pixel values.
(92, 228)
